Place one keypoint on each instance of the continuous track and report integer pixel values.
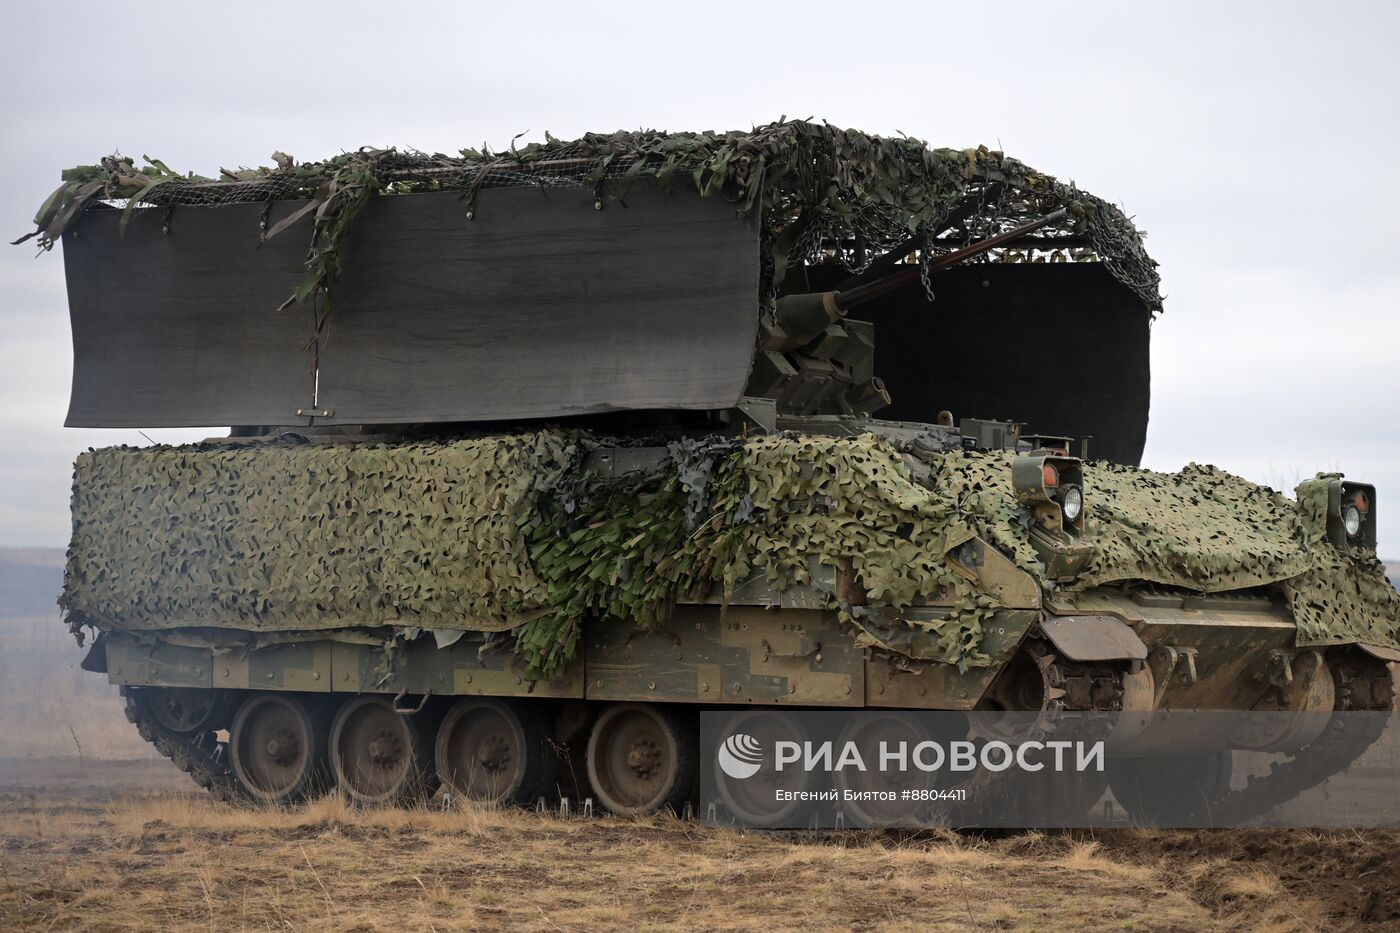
(1069, 687)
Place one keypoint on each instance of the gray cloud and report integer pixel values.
(1253, 142)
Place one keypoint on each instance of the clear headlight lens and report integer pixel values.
(1072, 503)
(1351, 520)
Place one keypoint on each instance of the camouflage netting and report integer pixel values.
(1201, 529)
(506, 533)
(295, 537)
(766, 507)
(827, 193)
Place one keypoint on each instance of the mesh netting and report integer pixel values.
(827, 194)
(507, 533)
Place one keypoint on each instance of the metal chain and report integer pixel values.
(924, 271)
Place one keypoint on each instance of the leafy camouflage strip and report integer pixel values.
(774, 504)
(821, 186)
(508, 534)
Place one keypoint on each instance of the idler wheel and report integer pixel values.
(496, 751)
(277, 748)
(1023, 686)
(642, 758)
(186, 709)
(379, 756)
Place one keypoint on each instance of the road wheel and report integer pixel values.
(495, 750)
(277, 748)
(867, 732)
(378, 755)
(746, 778)
(642, 758)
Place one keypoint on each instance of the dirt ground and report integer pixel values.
(131, 846)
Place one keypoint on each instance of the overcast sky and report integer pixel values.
(1256, 144)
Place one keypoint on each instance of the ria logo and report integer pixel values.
(740, 756)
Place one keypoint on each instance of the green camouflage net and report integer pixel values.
(770, 507)
(1201, 529)
(308, 537)
(508, 533)
(823, 190)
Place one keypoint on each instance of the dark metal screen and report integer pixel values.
(181, 329)
(539, 305)
(1062, 347)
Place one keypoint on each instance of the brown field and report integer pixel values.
(127, 846)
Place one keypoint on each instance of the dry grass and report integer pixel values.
(179, 860)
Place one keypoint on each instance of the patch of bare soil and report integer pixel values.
(121, 849)
(1353, 876)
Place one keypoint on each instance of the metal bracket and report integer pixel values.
(314, 413)
(1187, 677)
(409, 712)
(762, 413)
(768, 652)
(1165, 662)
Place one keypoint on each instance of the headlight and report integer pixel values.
(1351, 510)
(1351, 521)
(1072, 503)
(1053, 487)
(1348, 510)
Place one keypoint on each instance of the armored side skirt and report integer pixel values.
(1218, 658)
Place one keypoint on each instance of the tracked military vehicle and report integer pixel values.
(535, 453)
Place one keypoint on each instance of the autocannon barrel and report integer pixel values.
(804, 316)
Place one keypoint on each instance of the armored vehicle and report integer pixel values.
(535, 453)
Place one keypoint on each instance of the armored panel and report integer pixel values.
(460, 669)
(739, 654)
(541, 306)
(893, 682)
(1062, 347)
(181, 329)
(302, 666)
(159, 665)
